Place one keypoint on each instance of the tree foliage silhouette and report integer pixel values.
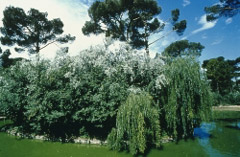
(183, 48)
(31, 30)
(225, 8)
(129, 20)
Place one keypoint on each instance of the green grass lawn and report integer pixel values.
(226, 115)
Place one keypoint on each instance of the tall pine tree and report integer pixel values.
(31, 30)
(129, 20)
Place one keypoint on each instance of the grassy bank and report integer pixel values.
(226, 115)
(226, 108)
(227, 112)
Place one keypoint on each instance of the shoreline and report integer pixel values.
(75, 140)
(93, 141)
(2, 117)
(226, 108)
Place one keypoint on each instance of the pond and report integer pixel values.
(219, 138)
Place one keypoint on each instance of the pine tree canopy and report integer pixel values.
(31, 30)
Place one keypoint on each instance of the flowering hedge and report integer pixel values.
(82, 95)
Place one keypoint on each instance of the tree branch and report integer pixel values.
(47, 45)
(229, 8)
(29, 29)
(162, 37)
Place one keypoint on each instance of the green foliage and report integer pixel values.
(110, 13)
(229, 94)
(137, 125)
(226, 115)
(72, 94)
(132, 21)
(225, 8)
(32, 31)
(183, 48)
(5, 61)
(84, 95)
(175, 14)
(232, 98)
(13, 95)
(221, 72)
(186, 99)
(180, 27)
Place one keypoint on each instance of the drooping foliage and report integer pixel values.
(225, 8)
(132, 20)
(31, 31)
(186, 99)
(137, 125)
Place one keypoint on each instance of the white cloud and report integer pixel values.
(196, 18)
(228, 21)
(186, 2)
(204, 36)
(205, 24)
(185, 38)
(216, 42)
(165, 40)
(73, 13)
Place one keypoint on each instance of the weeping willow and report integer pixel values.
(187, 97)
(137, 125)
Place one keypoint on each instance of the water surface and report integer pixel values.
(219, 138)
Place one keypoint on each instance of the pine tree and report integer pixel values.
(31, 30)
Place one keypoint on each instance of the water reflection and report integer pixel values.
(204, 130)
(220, 138)
(204, 134)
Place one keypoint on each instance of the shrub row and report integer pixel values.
(99, 90)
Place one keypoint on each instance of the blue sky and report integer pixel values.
(220, 38)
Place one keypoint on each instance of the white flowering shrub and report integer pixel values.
(83, 94)
(80, 94)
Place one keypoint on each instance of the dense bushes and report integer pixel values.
(232, 98)
(86, 95)
(72, 95)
